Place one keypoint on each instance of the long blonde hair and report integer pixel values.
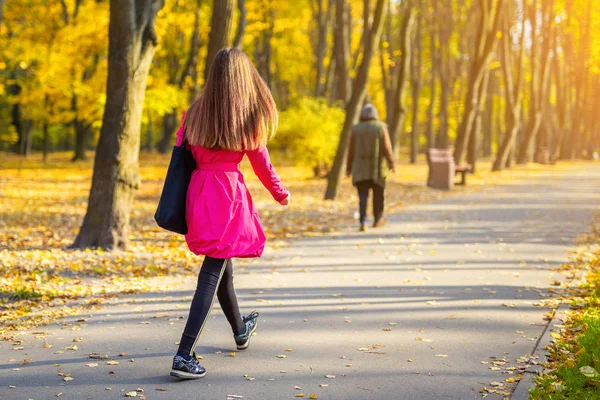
(235, 110)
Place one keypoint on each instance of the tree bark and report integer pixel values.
(539, 80)
(323, 18)
(220, 30)
(149, 135)
(358, 93)
(45, 143)
(512, 93)
(486, 40)
(416, 65)
(170, 120)
(132, 44)
(401, 81)
(342, 51)
(488, 118)
(475, 139)
(242, 22)
(444, 19)
(433, 78)
(81, 139)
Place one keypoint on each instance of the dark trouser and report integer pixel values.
(216, 277)
(363, 195)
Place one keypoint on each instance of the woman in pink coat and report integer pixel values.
(233, 117)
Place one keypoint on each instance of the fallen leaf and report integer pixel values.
(281, 356)
(131, 394)
(112, 362)
(589, 372)
(330, 376)
(67, 379)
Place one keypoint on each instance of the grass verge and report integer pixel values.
(573, 370)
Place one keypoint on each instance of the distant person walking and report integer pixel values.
(232, 118)
(369, 145)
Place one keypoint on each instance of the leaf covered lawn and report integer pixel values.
(42, 206)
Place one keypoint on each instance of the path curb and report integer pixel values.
(528, 382)
(522, 390)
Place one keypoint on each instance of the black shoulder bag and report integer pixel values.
(170, 214)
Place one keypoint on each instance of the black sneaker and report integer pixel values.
(243, 340)
(185, 369)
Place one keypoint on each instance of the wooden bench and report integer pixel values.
(463, 169)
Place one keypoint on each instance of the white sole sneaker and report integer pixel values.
(186, 375)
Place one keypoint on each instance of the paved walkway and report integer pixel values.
(409, 311)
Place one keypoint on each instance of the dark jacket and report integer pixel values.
(369, 145)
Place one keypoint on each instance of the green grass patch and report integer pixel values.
(21, 293)
(574, 368)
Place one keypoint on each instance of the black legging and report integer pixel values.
(216, 275)
(363, 195)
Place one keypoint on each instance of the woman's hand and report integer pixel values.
(286, 201)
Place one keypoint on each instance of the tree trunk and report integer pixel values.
(353, 108)
(488, 118)
(149, 135)
(220, 30)
(323, 18)
(486, 40)
(28, 135)
(132, 44)
(539, 81)
(401, 81)
(512, 93)
(443, 19)
(168, 129)
(433, 79)
(45, 143)
(239, 34)
(416, 64)
(475, 139)
(81, 138)
(17, 122)
(189, 70)
(1, 11)
(342, 51)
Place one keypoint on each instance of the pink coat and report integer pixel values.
(221, 217)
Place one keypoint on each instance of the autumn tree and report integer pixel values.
(221, 25)
(512, 71)
(356, 99)
(489, 19)
(398, 79)
(132, 43)
(415, 74)
(177, 76)
(540, 72)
